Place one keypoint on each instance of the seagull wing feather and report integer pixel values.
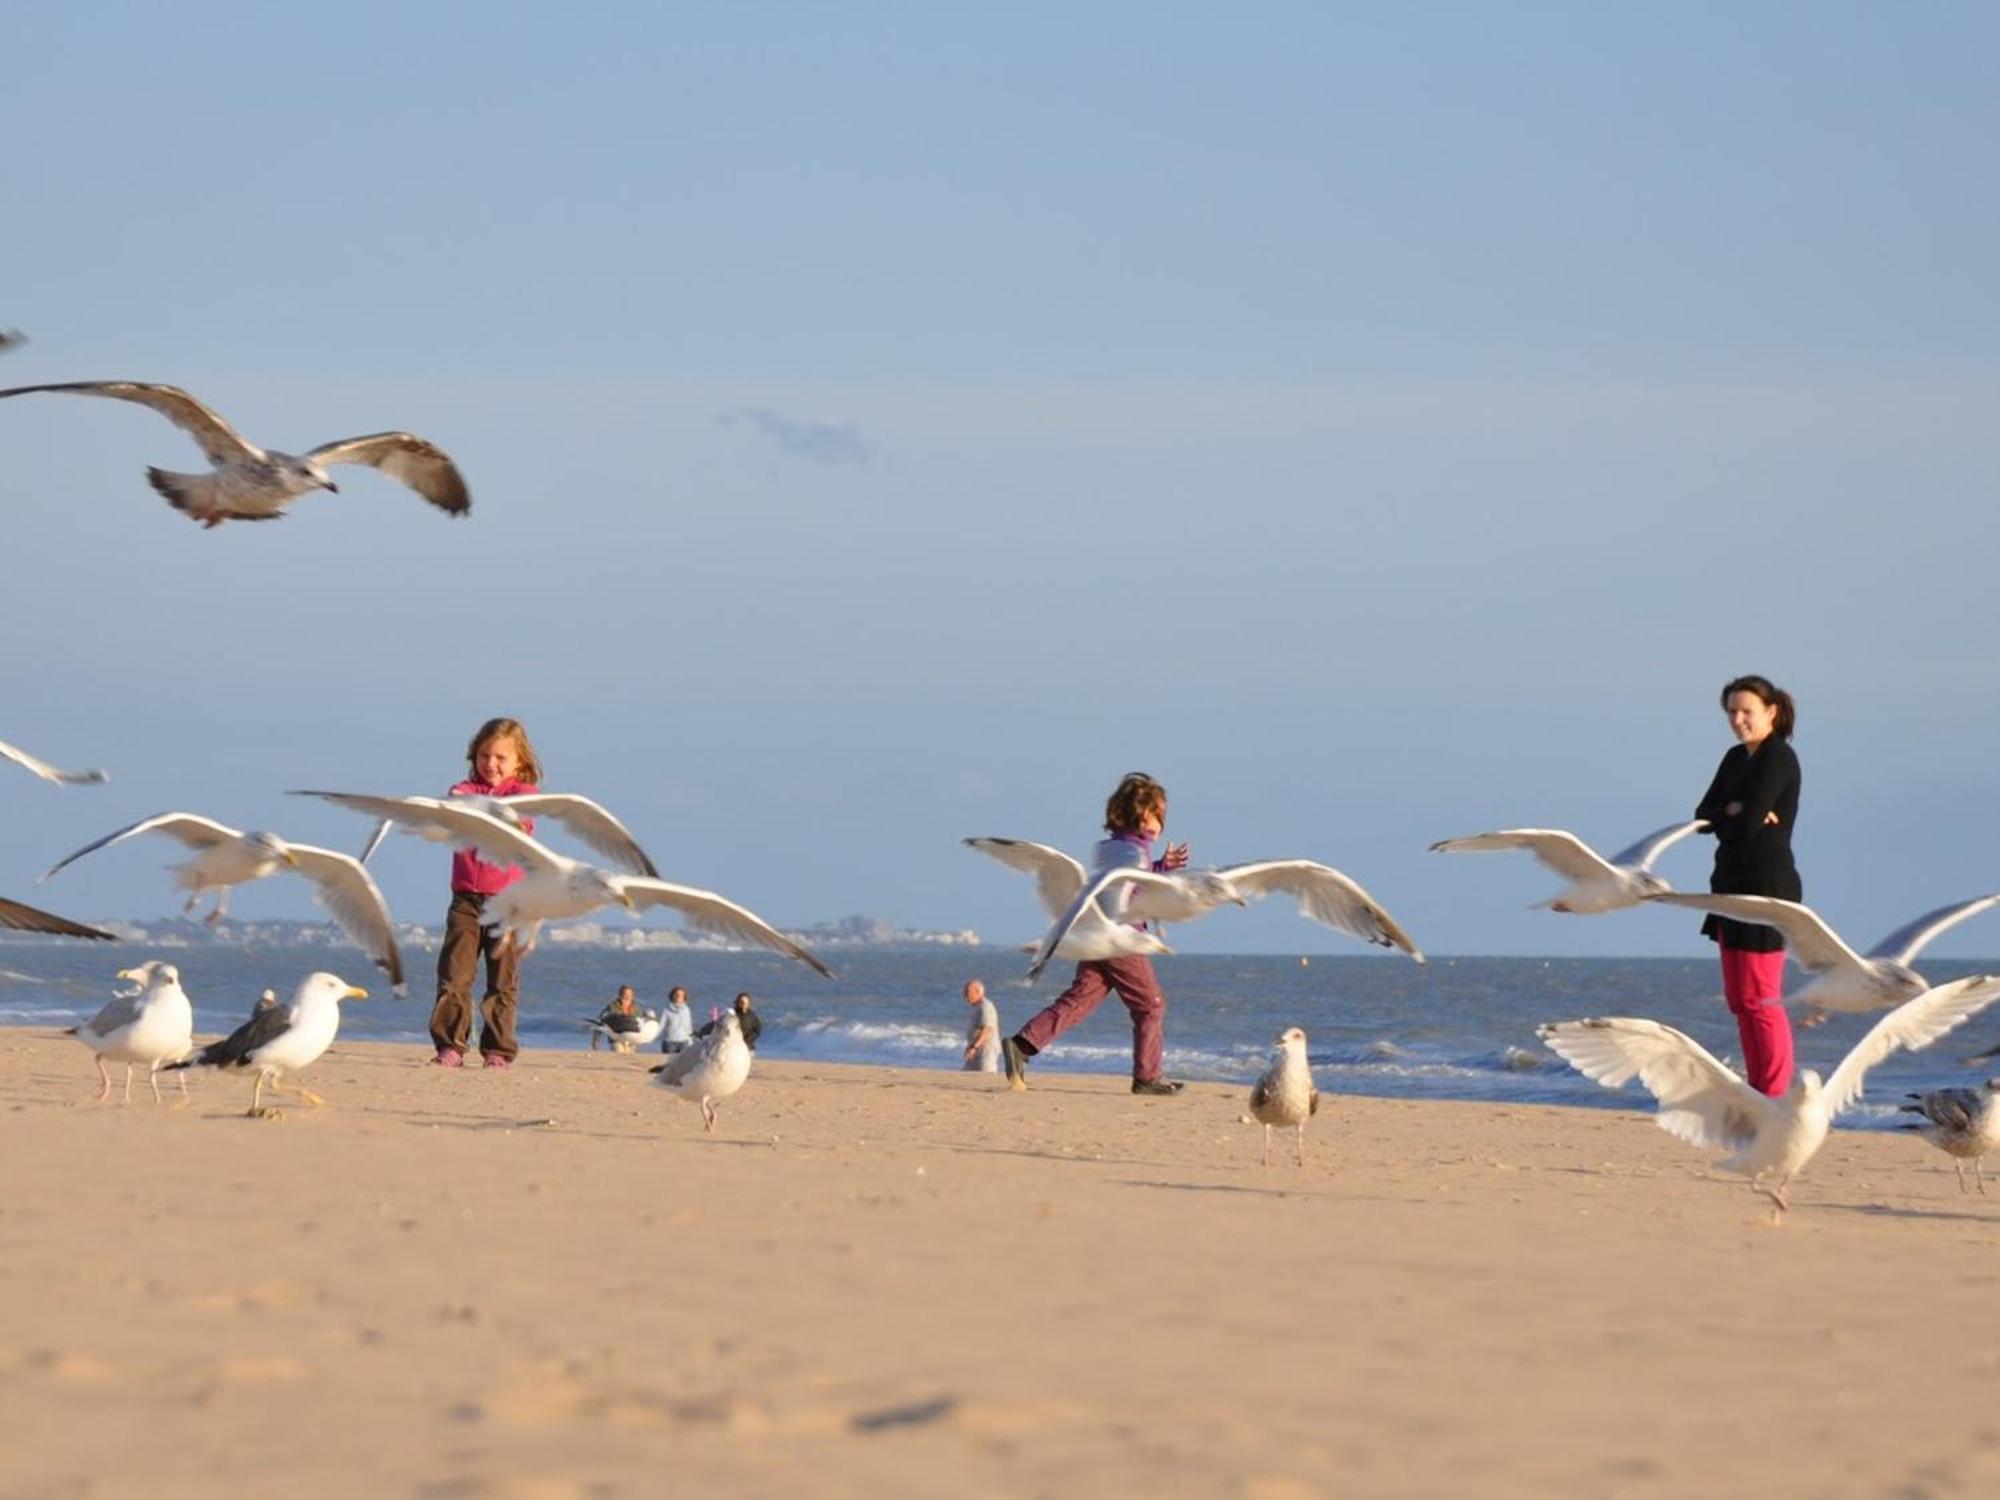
(1057, 877)
(24, 918)
(1816, 946)
(221, 443)
(418, 463)
(1911, 938)
(1325, 896)
(1640, 855)
(1701, 1101)
(591, 823)
(1555, 849)
(350, 893)
(1910, 1027)
(712, 913)
(191, 829)
(46, 771)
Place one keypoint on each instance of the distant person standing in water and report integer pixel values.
(982, 1036)
(1752, 807)
(1134, 816)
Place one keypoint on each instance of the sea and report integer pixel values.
(1455, 1028)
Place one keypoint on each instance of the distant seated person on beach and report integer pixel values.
(982, 1035)
(676, 1021)
(752, 1026)
(619, 1018)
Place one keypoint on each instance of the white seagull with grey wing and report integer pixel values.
(281, 1039)
(1704, 1103)
(1843, 980)
(1596, 884)
(226, 857)
(709, 1068)
(249, 483)
(153, 1024)
(553, 887)
(1087, 925)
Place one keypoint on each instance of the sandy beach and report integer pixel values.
(548, 1282)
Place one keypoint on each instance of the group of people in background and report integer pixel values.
(1751, 807)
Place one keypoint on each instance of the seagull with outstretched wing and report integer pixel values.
(37, 767)
(226, 857)
(248, 483)
(589, 822)
(554, 887)
(1843, 980)
(1596, 884)
(1704, 1103)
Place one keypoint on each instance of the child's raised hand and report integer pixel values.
(1176, 857)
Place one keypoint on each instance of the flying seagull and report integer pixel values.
(1285, 1095)
(710, 1068)
(1088, 925)
(225, 857)
(248, 483)
(281, 1039)
(1704, 1103)
(28, 919)
(555, 887)
(588, 821)
(48, 772)
(153, 1024)
(1962, 1123)
(11, 338)
(1843, 980)
(1596, 884)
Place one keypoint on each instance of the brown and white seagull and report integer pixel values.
(249, 483)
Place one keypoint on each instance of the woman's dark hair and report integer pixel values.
(1772, 695)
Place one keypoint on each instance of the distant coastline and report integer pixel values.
(184, 932)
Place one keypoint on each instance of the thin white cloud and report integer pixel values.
(816, 442)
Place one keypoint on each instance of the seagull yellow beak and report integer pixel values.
(132, 974)
(626, 902)
(291, 859)
(354, 992)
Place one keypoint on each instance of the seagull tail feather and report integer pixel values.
(184, 492)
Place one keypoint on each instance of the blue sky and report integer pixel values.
(890, 423)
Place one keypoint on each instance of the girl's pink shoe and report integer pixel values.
(448, 1057)
(495, 1060)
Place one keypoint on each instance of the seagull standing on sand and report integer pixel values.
(1285, 1094)
(153, 1024)
(225, 857)
(249, 483)
(282, 1039)
(48, 772)
(1704, 1103)
(710, 1068)
(1089, 926)
(553, 887)
(1843, 980)
(1596, 884)
(1962, 1123)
